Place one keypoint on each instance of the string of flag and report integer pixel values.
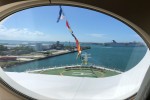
(62, 16)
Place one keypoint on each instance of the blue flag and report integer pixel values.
(61, 15)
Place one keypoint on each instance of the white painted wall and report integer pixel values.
(72, 88)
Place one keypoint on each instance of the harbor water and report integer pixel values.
(119, 58)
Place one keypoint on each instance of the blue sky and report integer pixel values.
(39, 24)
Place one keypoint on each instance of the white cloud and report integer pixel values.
(21, 34)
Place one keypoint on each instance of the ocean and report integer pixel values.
(119, 58)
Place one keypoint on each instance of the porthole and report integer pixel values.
(35, 42)
(62, 51)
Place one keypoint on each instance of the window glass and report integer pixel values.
(31, 39)
(68, 41)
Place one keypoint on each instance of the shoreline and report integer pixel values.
(46, 57)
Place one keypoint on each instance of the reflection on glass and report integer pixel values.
(33, 41)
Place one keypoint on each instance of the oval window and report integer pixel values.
(70, 43)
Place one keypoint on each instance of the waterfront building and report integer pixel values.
(46, 47)
(10, 46)
(57, 46)
(38, 47)
(33, 47)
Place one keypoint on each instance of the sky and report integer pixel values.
(39, 24)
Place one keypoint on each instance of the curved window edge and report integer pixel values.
(27, 4)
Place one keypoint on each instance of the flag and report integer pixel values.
(61, 15)
(77, 42)
(67, 24)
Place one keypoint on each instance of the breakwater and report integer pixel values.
(64, 52)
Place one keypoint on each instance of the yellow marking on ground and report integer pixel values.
(62, 73)
(42, 71)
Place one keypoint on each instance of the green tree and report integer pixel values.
(3, 48)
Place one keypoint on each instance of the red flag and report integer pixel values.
(77, 42)
(69, 28)
(67, 24)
